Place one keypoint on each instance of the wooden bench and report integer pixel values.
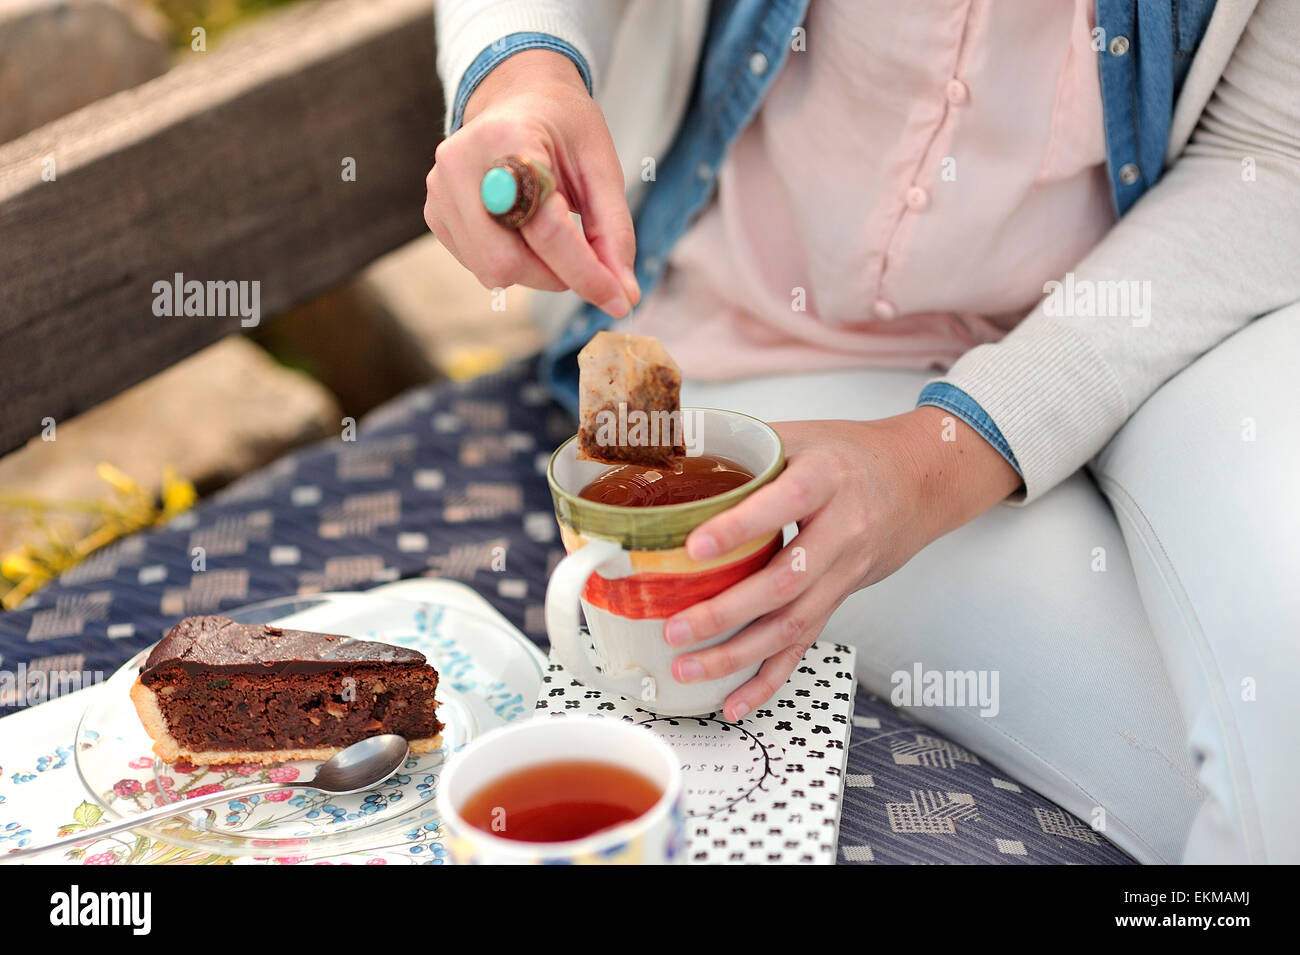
(230, 167)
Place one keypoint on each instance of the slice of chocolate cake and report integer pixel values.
(215, 691)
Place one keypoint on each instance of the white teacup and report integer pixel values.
(627, 567)
(656, 837)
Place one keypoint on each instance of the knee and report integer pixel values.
(1202, 478)
(1224, 429)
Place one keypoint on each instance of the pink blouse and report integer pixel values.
(913, 178)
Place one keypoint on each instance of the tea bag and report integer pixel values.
(629, 402)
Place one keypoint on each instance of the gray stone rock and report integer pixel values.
(58, 55)
(451, 317)
(214, 416)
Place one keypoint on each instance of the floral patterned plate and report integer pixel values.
(489, 673)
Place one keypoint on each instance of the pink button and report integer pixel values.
(917, 199)
(957, 92)
(884, 310)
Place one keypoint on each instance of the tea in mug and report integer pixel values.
(560, 801)
(635, 485)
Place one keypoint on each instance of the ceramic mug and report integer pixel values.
(627, 568)
(656, 837)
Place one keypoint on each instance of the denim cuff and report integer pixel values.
(503, 49)
(940, 394)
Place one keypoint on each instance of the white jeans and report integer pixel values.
(1159, 697)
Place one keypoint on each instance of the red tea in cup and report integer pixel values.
(635, 485)
(560, 801)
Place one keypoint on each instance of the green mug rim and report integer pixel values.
(609, 521)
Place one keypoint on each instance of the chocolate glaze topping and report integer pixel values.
(218, 644)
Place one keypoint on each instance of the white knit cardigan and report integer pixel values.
(1217, 238)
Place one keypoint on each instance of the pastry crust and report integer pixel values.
(169, 750)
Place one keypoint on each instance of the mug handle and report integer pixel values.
(563, 594)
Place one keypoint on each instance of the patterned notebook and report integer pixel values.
(765, 790)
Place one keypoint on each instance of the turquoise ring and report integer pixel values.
(514, 188)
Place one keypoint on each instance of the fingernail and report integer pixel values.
(738, 712)
(617, 306)
(677, 633)
(689, 671)
(631, 285)
(702, 547)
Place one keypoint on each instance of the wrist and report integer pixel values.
(527, 70)
(958, 474)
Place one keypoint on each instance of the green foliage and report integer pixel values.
(213, 15)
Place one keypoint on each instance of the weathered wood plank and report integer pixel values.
(227, 168)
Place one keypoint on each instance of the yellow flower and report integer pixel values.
(129, 509)
(122, 482)
(16, 565)
(177, 494)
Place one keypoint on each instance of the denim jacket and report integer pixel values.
(1145, 50)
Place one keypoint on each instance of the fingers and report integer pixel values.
(762, 639)
(606, 219)
(767, 641)
(779, 637)
(798, 492)
(778, 640)
(785, 578)
(440, 230)
(498, 257)
(795, 625)
(506, 260)
(556, 239)
(771, 677)
(551, 251)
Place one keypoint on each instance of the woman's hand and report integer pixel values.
(867, 495)
(535, 104)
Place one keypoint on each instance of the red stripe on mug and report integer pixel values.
(655, 596)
